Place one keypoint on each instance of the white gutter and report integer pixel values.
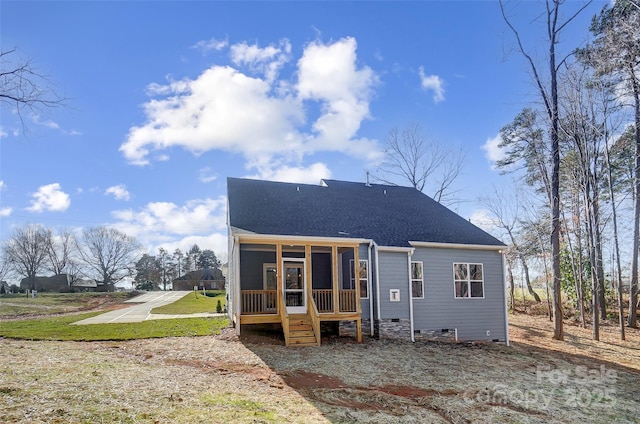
(395, 249)
(409, 254)
(456, 245)
(306, 239)
(369, 290)
(504, 291)
(377, 283)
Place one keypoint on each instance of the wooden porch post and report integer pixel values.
(308, 288)
(334, 271)
(279, 281)
(356, 276)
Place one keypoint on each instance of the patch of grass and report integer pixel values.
(59, 328)
(53, 303)
(193, 303)
(232, 407)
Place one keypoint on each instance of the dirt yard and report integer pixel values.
(257, 380)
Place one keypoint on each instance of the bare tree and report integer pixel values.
(505, 216)
(109, 254)
(549, 97)
(26, 251)
(23, 87)
(616, 52)
(60, 252)
(410, 157)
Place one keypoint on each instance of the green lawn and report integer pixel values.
(53, 303)
(59, 328)
(193, 303)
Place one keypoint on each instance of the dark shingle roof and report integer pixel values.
(390, 215)
(205, 274)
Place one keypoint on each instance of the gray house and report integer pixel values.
(389, 259)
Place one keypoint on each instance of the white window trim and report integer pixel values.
(352, 278)
(468, 281)
(415, 279)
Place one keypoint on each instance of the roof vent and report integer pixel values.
(385, 192)
(298, 188)
(367, 184)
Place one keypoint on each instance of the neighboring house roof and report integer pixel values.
(53, 282)
(206, 274)
(389, 215)
(85, 283)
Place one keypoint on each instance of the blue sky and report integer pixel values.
(167, 99)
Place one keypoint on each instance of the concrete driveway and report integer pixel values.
(141, 311)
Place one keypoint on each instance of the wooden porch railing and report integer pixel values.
(348, 301)
(258, 302)
(265, 302)
(324, 300)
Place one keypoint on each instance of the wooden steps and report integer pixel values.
(301, 331)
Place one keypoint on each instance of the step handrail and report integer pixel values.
(284, 318)
(314, 315)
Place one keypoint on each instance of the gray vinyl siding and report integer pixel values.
(472, 317)
(394, 274)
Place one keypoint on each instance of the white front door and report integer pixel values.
(294, 286)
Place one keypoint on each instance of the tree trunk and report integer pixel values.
(616, 243)
(632, 320)
(511, 287)
(558, 330)
(527, 279)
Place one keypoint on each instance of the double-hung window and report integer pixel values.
(468, 280)
(417, 280)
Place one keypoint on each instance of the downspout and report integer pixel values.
(504, 291)
(377, 284)
(236, 283)
(369, 290)
(409, 254)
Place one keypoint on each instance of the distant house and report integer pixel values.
(4, 287)
(60, 282)
(85, 285)
(207, 278)
(388, 258)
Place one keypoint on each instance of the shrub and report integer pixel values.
(219, 307)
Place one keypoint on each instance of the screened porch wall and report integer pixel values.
(251, 268)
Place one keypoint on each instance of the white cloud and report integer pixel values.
(206, 175)
(433, 83)
(50, 198)
(216, 242)
(119, 192)
(267, 61)
(4, 212)
(3, 133)
(2, 185)
(262, 117)
(221, 109)
(296, 174)
(328, 73)
(492, 149)
(212, 44)
(46, 123)
(483, 219)
(158, 221)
